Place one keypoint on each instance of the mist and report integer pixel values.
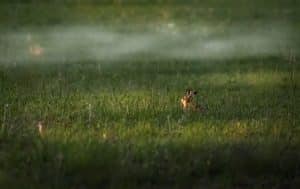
(168, 40)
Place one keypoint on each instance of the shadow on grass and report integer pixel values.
(90, 162)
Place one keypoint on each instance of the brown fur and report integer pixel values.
(188, 102)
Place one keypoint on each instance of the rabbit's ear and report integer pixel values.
(188, 91)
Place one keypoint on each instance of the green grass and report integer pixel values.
(118, 124)
(136, 135)
(138, 16)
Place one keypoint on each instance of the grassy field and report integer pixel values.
(119, 124)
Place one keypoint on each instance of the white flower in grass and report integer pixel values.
(40, 127)
(104, 135)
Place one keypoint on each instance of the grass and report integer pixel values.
(135, 133)
(16, 16)
(118, 124)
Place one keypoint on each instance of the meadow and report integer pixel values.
(117, 122)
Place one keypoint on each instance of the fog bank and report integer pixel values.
(165, 40)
